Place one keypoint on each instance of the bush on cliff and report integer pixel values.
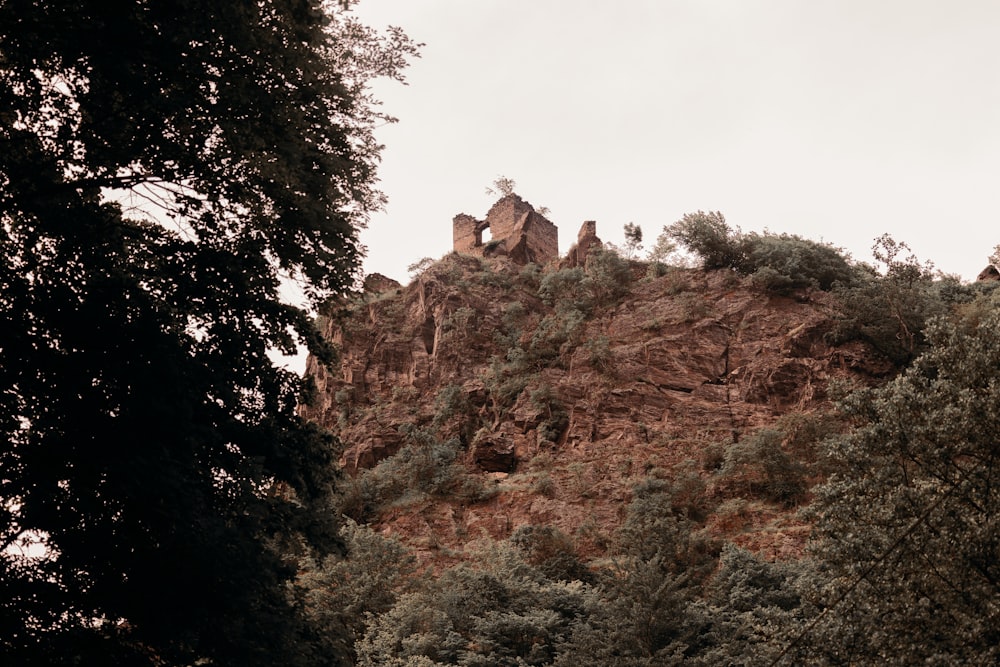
(775, 262)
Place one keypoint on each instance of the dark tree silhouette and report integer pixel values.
(162, 166)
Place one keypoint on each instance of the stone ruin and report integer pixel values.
(521, 233)
(586, 240)
(517, 231)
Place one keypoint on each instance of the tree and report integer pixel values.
(710, 237)
(890, 305)
(663, 249)
(633, 239)
(502, 186)
(502, 612)
(994, 257)
(162, 167)
(907, 531)
(340, 593)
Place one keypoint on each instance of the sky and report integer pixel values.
(836, 120)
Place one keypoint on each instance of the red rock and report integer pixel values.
(693, 359)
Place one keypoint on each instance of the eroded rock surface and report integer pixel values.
(683, 362)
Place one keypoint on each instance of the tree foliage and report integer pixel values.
(780, 262)
(501, 186)
(890, 304)
(339, 593)
(504, 612)
(907, 529)
(633, 239)
(163, 166)
(708, 236)
(775, 262)
(757, 465)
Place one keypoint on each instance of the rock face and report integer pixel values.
(989, 273)
(376, 282)
(586, 240)
(517, 231)
(575, 408)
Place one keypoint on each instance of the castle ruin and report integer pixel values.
(517, 230)
(521, 233)
(586, 240)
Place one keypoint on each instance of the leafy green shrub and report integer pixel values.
(658, 529)
(488, 277)
(424, 466)
(552, 552)
(656, 269)
(775, 262)
(553, 426)
(786, 261)
(713, 457)
(543, 485)
(358, 498)
(757, 465)
(804, 434)
(504, 613)
(709, 237)
(889, 308)
(607, 277)
(554, 337)
(599, 353)
(417, 467)
(450, 401)
(750, 602)
(984, 301)
(644, 615)
(693, 306)
(405, 394)
(563, 288)
(530, 276)
(689, 492)
(511, 316)
(341, 591)
(504, 380)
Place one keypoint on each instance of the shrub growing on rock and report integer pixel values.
(779, 262)
(709, 237)
(775, 262)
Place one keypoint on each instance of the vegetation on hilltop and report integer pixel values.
(897, 478)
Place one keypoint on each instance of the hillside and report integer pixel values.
(781, 457)
(556, 391)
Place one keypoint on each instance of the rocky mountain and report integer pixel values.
(500, 393)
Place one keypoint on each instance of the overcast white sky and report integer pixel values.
(837, 120)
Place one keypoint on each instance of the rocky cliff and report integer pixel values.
(562, 389)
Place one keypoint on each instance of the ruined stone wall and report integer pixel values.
(517, 230)
(586, 240)
(507, 215)
(467, 234)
